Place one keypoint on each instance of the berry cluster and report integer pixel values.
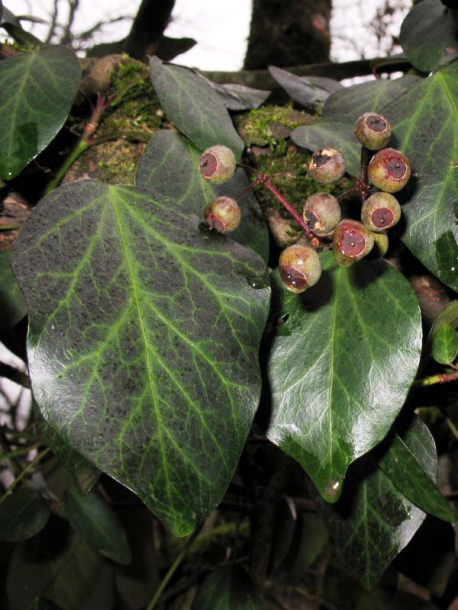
(385, 169)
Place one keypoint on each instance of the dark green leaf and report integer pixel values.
(424, 120)
(12, 303)
(239, 97)
(429, 35)
(311, 92)
(445, 344)
(144, 336)
(21, 36)
(228, 588)
(402, 467)
(43, 604)
(341, 375)
(23, 515)
(8, 17)
(95, 521)
(77, 578)
(38, 90)
(373, 521)
(170, 165)
(340, 112)
(194, 107)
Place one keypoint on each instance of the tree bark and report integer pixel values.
(290, 33)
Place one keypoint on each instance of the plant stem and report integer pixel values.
(439, 378)
(25, 470)
(82, 145)
(173, 568)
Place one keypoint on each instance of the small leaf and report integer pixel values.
(23, 515)
(144, 336)
(21, 36)
(431, 232)
(311, 92)
(194, 107)
(402, 467)
(38, 90)
(373, 521)
(238, 97)
(341, 376)
(170, 165)
(95, 521)
(76, 578)
(429, 35)
(445, 344)
(228, 588)
(340, 112)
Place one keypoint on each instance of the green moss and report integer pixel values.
(263, 126)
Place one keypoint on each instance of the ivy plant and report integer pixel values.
(171, 367)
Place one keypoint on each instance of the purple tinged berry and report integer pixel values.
(351, 241)
(217, 164)
(327, 165)
(373, 130)
(223, 214)
(380, 212)
(389, 170)
(300, 267)
(322, 213)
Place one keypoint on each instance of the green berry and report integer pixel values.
(322, 213)
(300, 267)
(223, 214)
(389, 170)
(217, 164)
(327, 165)
(380, 212)
(381, 244)
(351, 241)
(373, 130)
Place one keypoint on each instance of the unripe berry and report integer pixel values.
(299, 267)
(327, 165)
(389, 170)
(380, 212)
(351, 241)
(381, 244)
(217, 164)
(322, 213)
(373, 130)
(223, 214)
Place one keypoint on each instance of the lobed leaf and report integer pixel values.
(373, 521)
(193, 106)
(341, 367)
(170, 165)
(38, 90)
(143, 341)
(424, 118)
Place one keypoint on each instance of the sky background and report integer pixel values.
(221, 28)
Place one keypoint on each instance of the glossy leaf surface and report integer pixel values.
(228, 588)
(342, 108)
(23, 515)
(424, 120)
(143, 341)
(95, 521)
(445, 344)
(429, 35)
(170, 165)
(38, 90)
(373, 521)
(341, 367)
(194, 107)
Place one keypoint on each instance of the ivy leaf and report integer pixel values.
(373, 520)
(194, 107)
(311, 92)
(38, 90)
(144, 335)
(342, 108)
(170, 165)
(94, 520)
(400, 464)
(429, 35)
(424, 120)
(342, 367)
(445, 344)
(23, 515)
(229, 588)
